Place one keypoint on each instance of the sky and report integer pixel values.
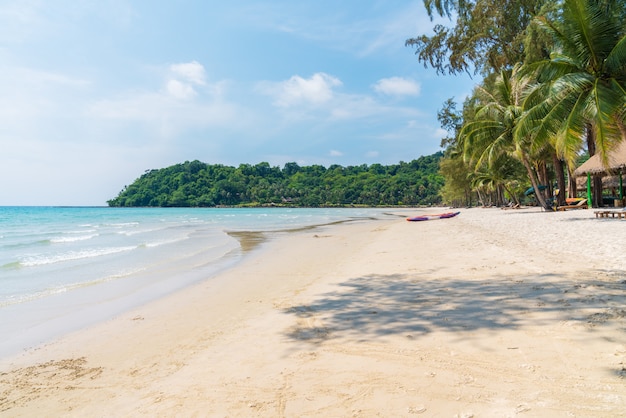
(94, 93)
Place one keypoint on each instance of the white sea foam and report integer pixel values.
(137, 232)
(122, 224)
(59, 240)
(39, 260)
(16, 299)
(81, 231)
(164, 242)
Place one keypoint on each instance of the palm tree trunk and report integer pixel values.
(535, 183)
(515, 199)
(572, 186)
(480, 197)
(543, 178)
(596, 179)
(560, 178)
(499, 195)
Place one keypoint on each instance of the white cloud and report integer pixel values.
(183, 78)
(180, 90)
(316, 90)
(193, 72)
(335, 153)
(317, 100)
(185, 102)
(398, 86)
(372, 154)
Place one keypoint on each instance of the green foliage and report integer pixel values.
(487, 36)
(554, 85)
(457, 190)
(196, 184)
(582, 86)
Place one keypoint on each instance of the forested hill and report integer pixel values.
(197, 184)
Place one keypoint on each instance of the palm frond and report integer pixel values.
(606, 103)
(503, 87)
(572, 84)
(616, 60)
(569, 139)
(578, 32)
(592, 31)
(552, 69)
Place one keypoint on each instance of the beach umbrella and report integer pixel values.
(531, 190)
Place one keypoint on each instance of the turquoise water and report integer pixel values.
(63, 268)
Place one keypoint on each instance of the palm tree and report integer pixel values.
(494, 181)
(581, 90)
(490, 136)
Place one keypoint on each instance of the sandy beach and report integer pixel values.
(494, 313)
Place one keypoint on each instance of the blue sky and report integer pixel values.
(93, 93)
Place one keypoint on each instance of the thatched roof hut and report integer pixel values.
(608, 182)
(617, 163)
(615, 168)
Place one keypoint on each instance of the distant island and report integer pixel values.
(197, 184)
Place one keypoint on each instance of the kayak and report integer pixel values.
(436, 216)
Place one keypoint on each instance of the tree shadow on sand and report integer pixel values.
(378, 305)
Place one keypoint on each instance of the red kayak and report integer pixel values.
(430, 217)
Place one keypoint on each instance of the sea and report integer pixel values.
(65, 268)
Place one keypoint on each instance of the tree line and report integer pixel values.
(197, 184)
(553, 92)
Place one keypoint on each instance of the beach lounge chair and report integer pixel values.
(582, 204)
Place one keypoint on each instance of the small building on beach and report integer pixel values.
(615, 169)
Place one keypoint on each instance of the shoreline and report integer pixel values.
(41, 319)
(495, 313)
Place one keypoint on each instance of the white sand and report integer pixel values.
(492, 313)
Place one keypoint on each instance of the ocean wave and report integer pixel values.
(40, 260)
(16, 299)
(163, 242)
(24, 244)
(59, 240)
(121, 224)
(130, 233)
(81, 231)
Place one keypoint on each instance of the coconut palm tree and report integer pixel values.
(581, 89)
(489, 137)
